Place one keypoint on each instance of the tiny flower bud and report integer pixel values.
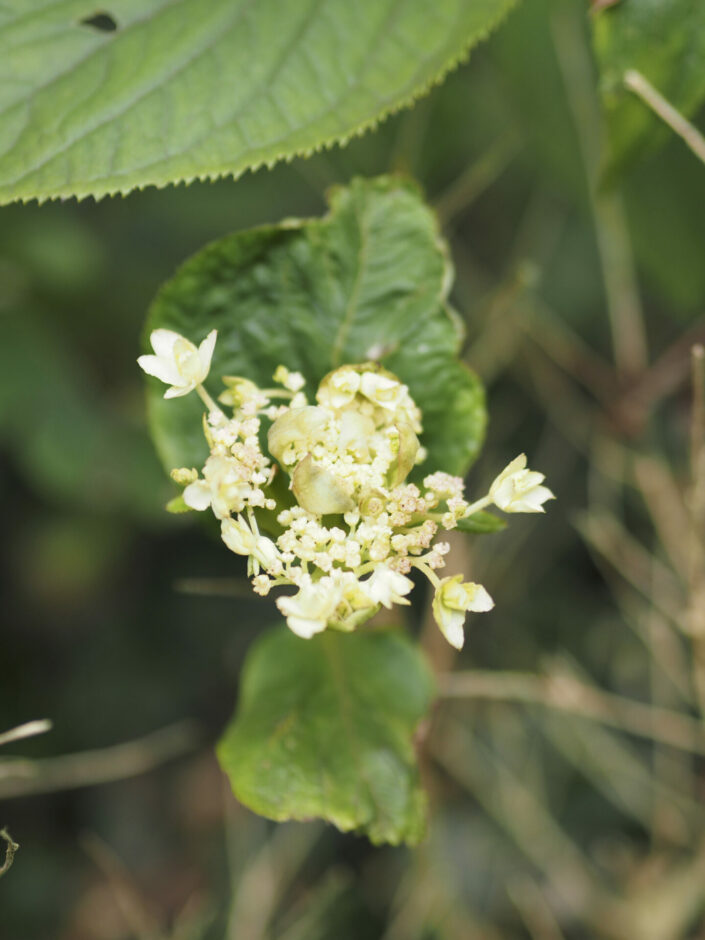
(318, 490)
(299, 427)
(293, 381)
(183, 476)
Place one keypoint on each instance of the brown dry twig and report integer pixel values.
(20, 777)
(10, 848)
(568, 694)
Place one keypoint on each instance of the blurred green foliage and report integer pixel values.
(540, 821)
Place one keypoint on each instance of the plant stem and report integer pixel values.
(570, 695)
(688, 133)
(10, 848)
(611, 230)
(696, 572)
(477, 506)
(19, 777)
(429, 572)
(206, 399)
(28, 730)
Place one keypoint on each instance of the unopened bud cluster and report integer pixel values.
(326, 507)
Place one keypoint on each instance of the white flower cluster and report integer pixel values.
(347, 529)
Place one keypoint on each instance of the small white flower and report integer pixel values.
(382, 390)
(518, 489)
(240, 538)
(178, 362)
(339, 388)
(451, 602)
(223, 488)
(386, 586)
(309, 611)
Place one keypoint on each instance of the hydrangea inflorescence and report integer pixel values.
(348, 529)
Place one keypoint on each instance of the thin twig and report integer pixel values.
(570, 695)
(664, 377)
(477, 178)
(569, 350)
(28, 730)
(696, 572)
(538, 918)
(514, 806)
(20, 777)
(666, 506)
(214, 587)
(607, 536)
(128, 899)
(617, 770)
(612, 234)
(689, 134)
(10, 848)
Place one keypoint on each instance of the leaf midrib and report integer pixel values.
(351, 307)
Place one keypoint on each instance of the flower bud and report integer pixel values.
(300, 427)
(518, 489)
(451, 602)
(408, 447)
(318, 490)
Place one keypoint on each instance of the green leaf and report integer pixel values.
(177, 505)
(324, 729)
(665, 41)
(370, 280)
(481, 523)
(665, 197)
(204, 88)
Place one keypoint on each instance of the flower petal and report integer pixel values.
(451, 626)
(176, 391)
(163, 342)
(535, 499)
(205, 350)
(197, 495)
(163, 369)
(305, 628)
(481, 600)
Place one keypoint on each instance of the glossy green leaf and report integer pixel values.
(481, 523)
(665, 41)
(324, 729)
(154, 92)
(369, 280)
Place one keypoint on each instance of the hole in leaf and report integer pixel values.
(103, 22)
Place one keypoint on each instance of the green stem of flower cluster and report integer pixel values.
(428, 571)
(477, 506)
(206, 399)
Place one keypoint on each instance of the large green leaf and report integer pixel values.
(203, 88)
(665, 41)
(369, 280)
(324, 728)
